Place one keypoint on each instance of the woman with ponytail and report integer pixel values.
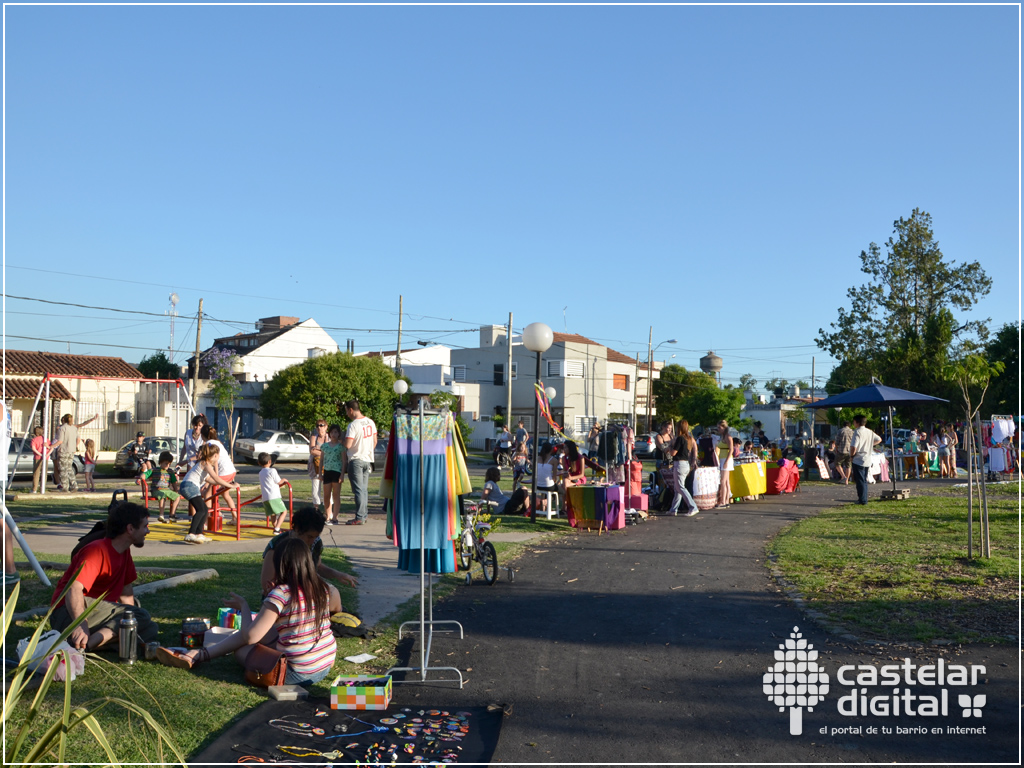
(294, 619)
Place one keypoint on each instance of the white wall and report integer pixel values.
(290, 348)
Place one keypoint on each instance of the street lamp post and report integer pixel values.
(650, 376)
(538, 338)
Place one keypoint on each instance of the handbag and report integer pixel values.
(265, 666)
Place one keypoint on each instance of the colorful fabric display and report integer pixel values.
(445, 478)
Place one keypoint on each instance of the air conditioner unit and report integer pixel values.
(122, 417)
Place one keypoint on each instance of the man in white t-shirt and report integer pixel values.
(864, 442)
(360, 443)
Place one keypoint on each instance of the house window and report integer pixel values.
(583, 425)
(575, 369)
(527, 423)
(554, 369)
(620, 381)
(458, 373)
(499, 373)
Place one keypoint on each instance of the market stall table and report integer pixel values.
(596, 502)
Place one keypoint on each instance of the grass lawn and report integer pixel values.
(898, 570)
(196, 705)
(193, 704)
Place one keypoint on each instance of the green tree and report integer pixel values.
(158, 366)
(696, 397)
(441, 399)
(224, 387)
(318, 388)
(972, 375)
(910, 284)
(1004, 391)
(775, 383)
(747, 382)
(673, 388)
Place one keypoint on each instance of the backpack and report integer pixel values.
(99, 531)
(348, 625)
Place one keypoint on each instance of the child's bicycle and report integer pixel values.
(474, 546)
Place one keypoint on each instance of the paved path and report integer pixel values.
(649, 645)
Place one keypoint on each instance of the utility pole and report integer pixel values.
(398, 353)
(195, 369)
(811, 410)
(508, 377)
(650, 389)
(636, 383)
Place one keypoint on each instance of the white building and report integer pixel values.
(592, 382)
(276, 343)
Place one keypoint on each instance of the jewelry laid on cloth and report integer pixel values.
(306, 752)
(345, 733)
(247, 757)
(298, 729)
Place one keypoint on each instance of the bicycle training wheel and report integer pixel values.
(489, 562)
(465, 551)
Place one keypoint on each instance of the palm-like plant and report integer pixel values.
(53, 741)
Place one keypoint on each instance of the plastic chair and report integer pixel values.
(552, 503)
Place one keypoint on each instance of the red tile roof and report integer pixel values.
(612, 355)
(57, 364)
(29, 388)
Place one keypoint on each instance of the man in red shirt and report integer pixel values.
(105, 566)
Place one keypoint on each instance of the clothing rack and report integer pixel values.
(426, 621)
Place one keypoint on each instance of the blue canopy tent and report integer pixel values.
(876, 395)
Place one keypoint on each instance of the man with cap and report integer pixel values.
(138, 453)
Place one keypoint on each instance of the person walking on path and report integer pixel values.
(864, 442)
(684, 455)
(360, 442)
(316, 444)
(725, 464)
(67, 440)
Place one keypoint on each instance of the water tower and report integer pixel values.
(712, 364)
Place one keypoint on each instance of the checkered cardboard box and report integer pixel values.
(361, 692)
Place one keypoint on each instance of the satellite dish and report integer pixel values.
(174, 299)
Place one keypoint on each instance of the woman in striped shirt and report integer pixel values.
(295, 619)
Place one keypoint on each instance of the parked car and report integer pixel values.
(154, 446)
(283, 446)
(27, 458)
(643, 447)
(902, 435)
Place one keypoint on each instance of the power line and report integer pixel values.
(240, 295)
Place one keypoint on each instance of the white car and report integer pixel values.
(283, 446)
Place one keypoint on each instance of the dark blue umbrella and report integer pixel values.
(877, 396)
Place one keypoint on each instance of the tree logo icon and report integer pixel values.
(972, 704)
(796, 681)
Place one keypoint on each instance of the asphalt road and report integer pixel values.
(649, 645)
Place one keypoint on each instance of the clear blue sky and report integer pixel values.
(712, 171)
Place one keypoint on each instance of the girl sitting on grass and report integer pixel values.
(295, 619)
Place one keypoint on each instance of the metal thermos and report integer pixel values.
(127, 638)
